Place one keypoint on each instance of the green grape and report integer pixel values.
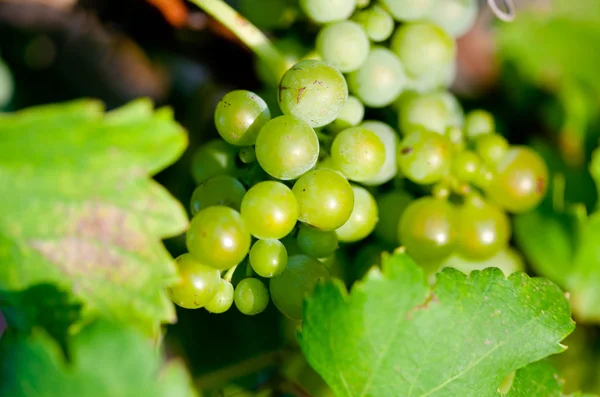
(483, 178)
(239, 116)
(291, 245)
(392, 206)
(218, 237)
(251, 296)
(297, 281)
(350, 116)
(465, 166)
(520, 180)
(454, 16)
(377, 23)
(428, 229)
(247, 154)
(424, 157)
(271, 14)
(214, 158)
(269, 210)
(365, 215)
(287, 147)
(344, 45)
(379, 80)
(268, 258)
(291, 50)
(507, 259)
(358, 152)
(6, 85)
(325, 199)
(362, 3)
(409, 10)
(327, 164)
(423, 48)
(436, 111)
(491, 148)
(483, 230)
(198, 283)
(316, 243)
(222, 190)
(223, 300)
(328, 11)
(313, 91)
(479, 122)
(390, 140)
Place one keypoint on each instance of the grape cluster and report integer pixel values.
(289, 182)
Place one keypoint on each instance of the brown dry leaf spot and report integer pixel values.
(174, 11)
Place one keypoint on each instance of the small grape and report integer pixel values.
(214, 158)
(251, 296)
(247, 154)
(316, 243)
(435, 111)
(424, 157)
(465, 166)
(297, 281)
(365, 215)
(390, 140)
(269, 210)
(328, 11)
(491, 148)
(358, 152)
(344, 45)
(392, 206)
(287, 147)
(520, 181)
(325, 199)
(454, 16)
(239, 116)
(268, 258)
(198, 283)
(350, 116)
(313, 91)
(409, 10)
(479, 122)
(218, 237)
(377, 23)
(428, 229)
(222, 190)
(223, 300)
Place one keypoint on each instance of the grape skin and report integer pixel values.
(390, 140)
(223, 299)
(328, 11)
(198, 283)
(350, 116)
(268, 258)
(365, 215)
(251, 296)
(344, 45)
(358, 152)
(316, 243)
(409, 10)
(222, 190)
(424, 157)
(214, 158)
(239, 116)
(377, 23)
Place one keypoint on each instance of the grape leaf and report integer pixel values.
(106, 361)
(394, 336)
(79, 210)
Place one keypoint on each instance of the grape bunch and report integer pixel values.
(291, 183)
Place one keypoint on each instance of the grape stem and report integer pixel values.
(249, 34)
(229, 274)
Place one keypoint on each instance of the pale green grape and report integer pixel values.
(251, 296)
(508, 260)
(409, 10)
(377, 23)
(391, 205)
(424, 157)
(358, 152)
(328, 11)
(344, 45)
(268, 258)
(239, 116)
(218, 237)
(316, 243)
(291, 50)
(287, 147)
(390, 140)
(491, 148)
(219, 190)
(365, 215)
(465, 166)
(313, 91)
(479, 122)
(379, 80)
(215, 157)
(223, 299)
(269, 210)
(197, 284)
(325, 199)
(454, 16)
(362, 3)
(350, 116)
(435, 111)
(297, 281)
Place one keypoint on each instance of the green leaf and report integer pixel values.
(79, 210)
(394, 336)
(106, 361)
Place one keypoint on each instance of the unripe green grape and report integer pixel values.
(328, 11)
(325, 199)
(269, 210)
(520, 181)
(251, 296)
(316, 243)
(377, 23)
(390, 140)
(391, 205)
(454, 16)
(247, 154)
(362, 3)
(428, 229)
(344, 45)
(365, 215)
(268, 258)
(218, 237)
(239, 116)
(491, 148)
(272, 14)
(222, 190)
(327, 164)
(313, 91)
(297, 281)
(223, 299)
(479, 122)
(291, 245)
(197, 285)
(465, 166)
(350, 116)
(409, 10)
(435, 111)
(424, 157)
(379, 80)
(287, 147)
(291, 51)
(358, 152)
(213, 158)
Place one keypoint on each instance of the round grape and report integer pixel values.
(291, 51)
(409, 10)
(358, 152)
(316, 243)
(454, 16)
(344, 45)
(328, 11)
(436, 111)
(507, 259)
(350, 116)
(491, 148)
(479, 122)
(223, 300)
(390, 140)
(239, 116)
(392, 206)
(377, 23)
(251, 296)
(424, 157)
(222, 190)
(365, 215)
(465, 166)
(197, 285)
(268, 258)
(214, 158)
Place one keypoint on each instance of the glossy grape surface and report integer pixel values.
(491, 148)
(390, 140)
(350, 116)
(223, 299)
(222, 190)
(358, 152)
(456, 17)
(465, 166)
(434, 111)
(198, 283)
(268, 258)
(377, 23)
(344, 45)
(316, 243)
(365, 215)
(424, 157)
(251, 296)
(214, 158)
(479, 122)
(409, 10)
(328, 11)
(239, 116)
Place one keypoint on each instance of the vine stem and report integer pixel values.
(244, 30)
(229, 274)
